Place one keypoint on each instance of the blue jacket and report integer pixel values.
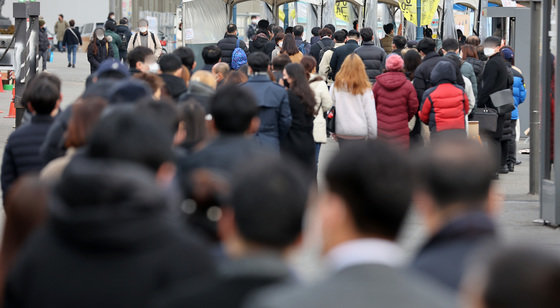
(519, 92)
(275, 114)
(21, 155)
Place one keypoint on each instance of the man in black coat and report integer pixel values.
(325, 43)
(44, 45)
(340, 53)
(124, 32)
(373, 56)
(258, 229)
(261, 38)
(21, 154)
(496, 77)
(229, 43)
(171, 66)
(399, 43)
(455, 198)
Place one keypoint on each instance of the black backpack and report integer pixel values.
(124, 42)
(324, 48)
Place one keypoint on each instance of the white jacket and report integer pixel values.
(356, 116)
(136, 41)
(323, 103)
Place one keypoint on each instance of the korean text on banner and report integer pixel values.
(429, 8)
(342, 12)
(408, 8)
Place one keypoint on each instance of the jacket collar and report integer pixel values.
(259, 78)
(230, 35)
(354, 42)
(258, 265)
(470, 226)
(431, 54)
(370, 43)
(41, 118)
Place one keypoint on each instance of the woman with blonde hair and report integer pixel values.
(356, 117)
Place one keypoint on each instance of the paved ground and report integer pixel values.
(515, 220)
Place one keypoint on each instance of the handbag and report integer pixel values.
(331, 121)
(503, 101)
(487, 119)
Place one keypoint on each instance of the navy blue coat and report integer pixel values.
(21, 155)
(340, 54)
(275, 114)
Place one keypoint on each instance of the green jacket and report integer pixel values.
(115, 43)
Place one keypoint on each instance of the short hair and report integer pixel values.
(128, 135)
(412, 59)
(520, 277)
(154, 81)
(263, 24)
(143, 20)
(258, 62)
(111, 25)
(72, 23)
(205, 78)
(162, 112)
(42, 94)
(367, 34)
(269, 198)
(388, 28)
(235, 78)
(427, 45)
(123, 21)
(193, 115)
(85, 115)
(298, 30)
(233, 108)
(289, 30)
(60, 15)
(493, 41)
(211, 54)
(221, 67)
(473, 40)
(187, 56)
(325, 32)
(138, 54)
(315, 31)
(340, 36)
(377, 191)
(231, 28)
(330, 27)
(455, 172)
(450, 44)
(399, 41)
(279, 62)
(276, 30)
(170, 63)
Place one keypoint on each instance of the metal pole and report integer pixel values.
(20, 52)
(286, 15)
(556, 125)
(419, 29)
(546, 76)
(535, 124)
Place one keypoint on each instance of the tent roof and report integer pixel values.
(318, 2)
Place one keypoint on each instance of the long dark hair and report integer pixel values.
(300, 86)
(289, 46)
(412, 60)
(93, 43)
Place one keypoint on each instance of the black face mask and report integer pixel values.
(286, 83)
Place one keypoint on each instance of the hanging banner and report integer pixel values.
(341, 11)
(429, 9)
(409, 10)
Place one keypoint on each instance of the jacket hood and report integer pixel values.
(260, 41)
(391, 80)
(108, 205)
(443, 72)
(199, 88)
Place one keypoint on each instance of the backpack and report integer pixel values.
(124, 43)
(301, 48)
(238, 57)
(324, 49)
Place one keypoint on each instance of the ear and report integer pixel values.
(165, 174)
(30, 108)
(139, 65)
(194, 65)
(212, 127)
(254, 126)
(424, 204)
(180, 135)
(226, 225)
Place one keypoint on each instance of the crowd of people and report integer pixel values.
(172, 183)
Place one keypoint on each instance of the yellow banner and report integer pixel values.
(409, 9)
(429, 9)
(341, 11)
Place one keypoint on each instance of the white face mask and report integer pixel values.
(100, 37)
(254, 21)
(488, 51)
(143, 29)
(153, 68)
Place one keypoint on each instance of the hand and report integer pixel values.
(109, 38)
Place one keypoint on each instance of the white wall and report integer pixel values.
(82, 11)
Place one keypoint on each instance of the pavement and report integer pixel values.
(515, 219)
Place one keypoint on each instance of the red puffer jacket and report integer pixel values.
(444, 106)
(396, 103)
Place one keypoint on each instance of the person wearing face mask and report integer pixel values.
(252, 29)
(496, 77)
(98, 50)
(279, 39)
(111, 16)
(145, 38)
(142, 60)
(113, 38)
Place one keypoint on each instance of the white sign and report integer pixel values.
(189, 34)
(152, 24)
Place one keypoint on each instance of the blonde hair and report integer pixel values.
(352, 76)
(206, 78)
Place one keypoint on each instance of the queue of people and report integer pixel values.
(168, 186)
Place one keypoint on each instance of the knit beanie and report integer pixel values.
(394, 63)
